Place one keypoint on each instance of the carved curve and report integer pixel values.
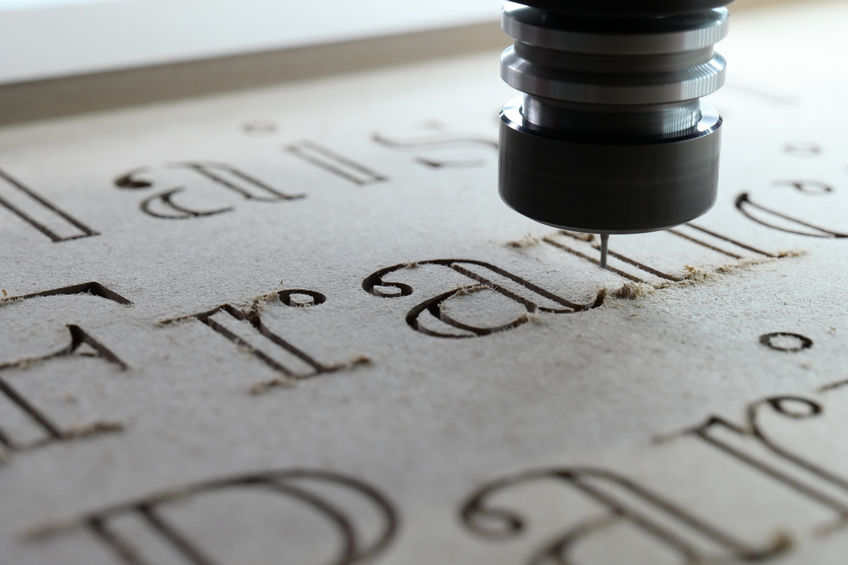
(291, 483)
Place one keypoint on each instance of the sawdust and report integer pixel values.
(745, 263)
(276, 382)
(177, 320)
(357, 361)
(49, 529)
(582, 236)
(532, 317)
(257, 305)
(632, 291)
(94, 428)
(528, 240)
(23, 363)
(695, 276)
(466, 290)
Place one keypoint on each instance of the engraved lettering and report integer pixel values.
(235, 181)
(40, 213)
(335, 163)
(519, 300)
(244, 328)
(363, 520)
(259, 127)
(429, 148)
(768, 457)
(803, 149)
(769, 217)
(587, 248)
(621, 501)
(81, 344)
(806, 186)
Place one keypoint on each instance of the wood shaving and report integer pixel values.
(257, 305)
(745, 263)
(49, 529)
(265, 386)
(632, 291)
(532, 317)
(357, 361)
(528, 240)
(94, 428)
(694, 275)
(464, 290)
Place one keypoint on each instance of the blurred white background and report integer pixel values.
(52, 38)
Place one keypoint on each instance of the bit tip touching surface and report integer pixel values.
(604, 248)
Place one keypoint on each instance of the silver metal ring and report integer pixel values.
(664, 35)
(595, 88)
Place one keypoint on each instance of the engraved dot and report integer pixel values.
(786, 341)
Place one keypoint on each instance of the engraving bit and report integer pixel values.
(609, 134)
(604, 248)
